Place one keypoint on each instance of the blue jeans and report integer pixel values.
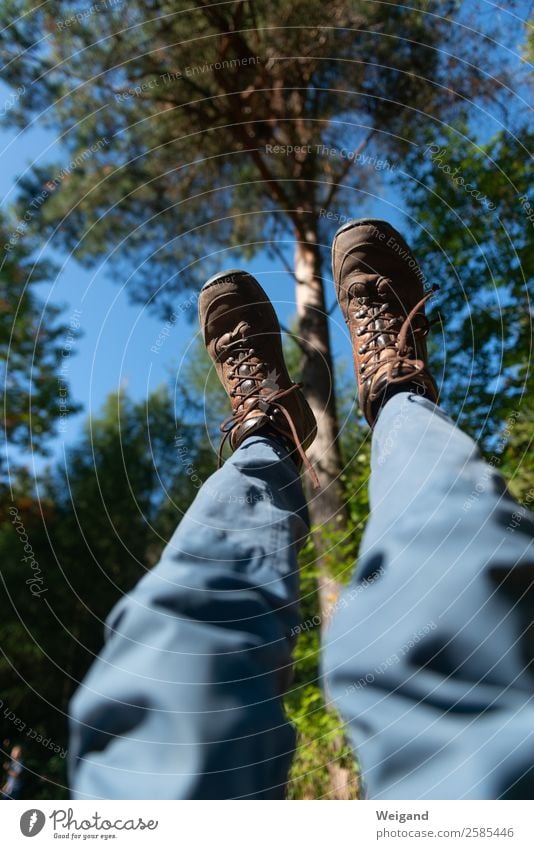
(426, 660)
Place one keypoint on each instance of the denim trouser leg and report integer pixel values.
(184, 700)
(428, 656)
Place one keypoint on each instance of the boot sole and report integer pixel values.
(360, 222)
(377, 222)
(222, 275)
(236, 274)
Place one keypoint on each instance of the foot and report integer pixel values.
(242, 336)
(379, 287)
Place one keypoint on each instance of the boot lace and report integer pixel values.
(400, 334)
(242, 354)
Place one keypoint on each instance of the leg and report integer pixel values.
(184, 701)
(429, 657)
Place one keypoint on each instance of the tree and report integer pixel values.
(244, 121)
(32, 342)
(475, 209)
(69, 548)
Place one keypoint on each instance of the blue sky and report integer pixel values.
(113, 347)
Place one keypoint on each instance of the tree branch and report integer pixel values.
(303, 347)
(275, 186)
(276, 250)
(334, 188)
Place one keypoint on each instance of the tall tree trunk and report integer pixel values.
(327, 509)
(326, 505)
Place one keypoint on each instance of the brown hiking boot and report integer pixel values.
(242, 336)
(379, 287)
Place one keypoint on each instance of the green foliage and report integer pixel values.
(324, 760)
(529, 41)
(475, 208)
(32, 339)
(517, 464)
(323, 756)
(93, 528)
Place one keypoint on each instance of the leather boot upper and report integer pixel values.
(242, 336)
(379, 287)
